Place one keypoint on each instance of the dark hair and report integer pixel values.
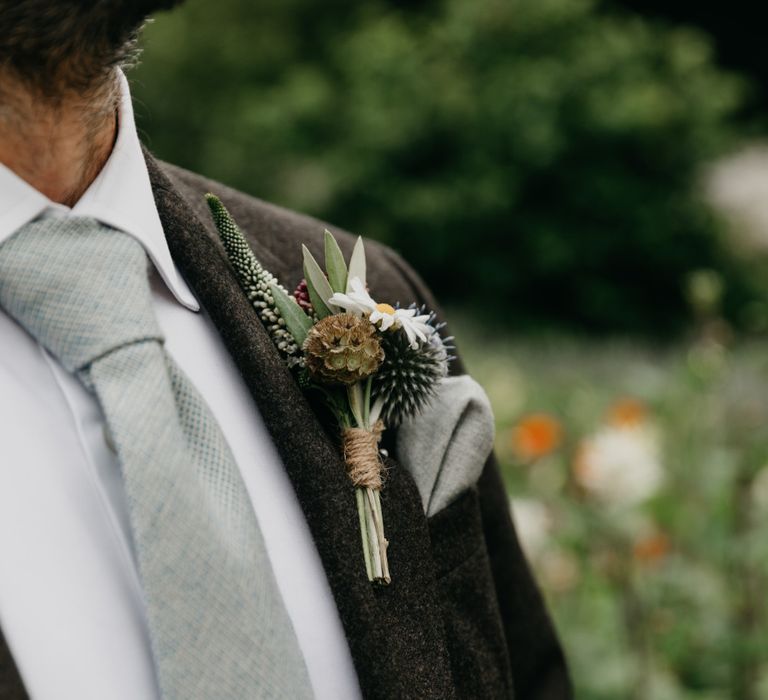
(57, 46)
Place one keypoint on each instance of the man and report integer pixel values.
(145, 420)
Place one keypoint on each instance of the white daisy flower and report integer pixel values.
(358, 301)
(416, 327)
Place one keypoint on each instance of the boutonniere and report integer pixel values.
(373, 364)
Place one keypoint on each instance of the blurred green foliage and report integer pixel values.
(539, 155)
(537, 158)
(658, 589)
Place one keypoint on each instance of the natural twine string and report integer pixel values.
(361, 454)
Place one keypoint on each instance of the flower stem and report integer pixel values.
(355, 395)
(364, 532)
(367, 402)
(375, 497)
(369, 500)
(373, 538)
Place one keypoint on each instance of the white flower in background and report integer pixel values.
(620, 464)
(533, 523)
(358, 301)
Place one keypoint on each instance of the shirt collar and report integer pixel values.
(121, 196)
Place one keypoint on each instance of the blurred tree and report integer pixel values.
(533, 156)
(736, 28)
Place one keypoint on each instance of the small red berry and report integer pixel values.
(301, 294)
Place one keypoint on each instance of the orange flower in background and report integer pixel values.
(628, 413)
(535, 436)
(652, 548)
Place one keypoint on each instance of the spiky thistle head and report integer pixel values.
(408, 377)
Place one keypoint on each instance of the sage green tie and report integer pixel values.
(218, 624)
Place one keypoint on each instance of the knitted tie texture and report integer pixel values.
(218, 625)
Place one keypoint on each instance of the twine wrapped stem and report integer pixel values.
(364, 466)
(361, 455)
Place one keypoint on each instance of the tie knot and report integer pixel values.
(79, 287)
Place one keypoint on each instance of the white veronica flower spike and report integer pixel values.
(358, 301)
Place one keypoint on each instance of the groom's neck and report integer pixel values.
(57, 146)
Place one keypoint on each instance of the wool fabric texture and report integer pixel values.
(217, 622)
(463, 617)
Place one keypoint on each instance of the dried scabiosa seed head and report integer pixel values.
(343, 349)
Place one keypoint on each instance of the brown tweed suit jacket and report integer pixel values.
(462, 617)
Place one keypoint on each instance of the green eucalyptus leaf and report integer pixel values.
(296, 321)
(318, 286)
(334, 264)
(357, 265)
(321, 309)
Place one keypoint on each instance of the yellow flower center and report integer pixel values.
(385, 309)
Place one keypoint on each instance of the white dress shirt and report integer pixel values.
(71, 603)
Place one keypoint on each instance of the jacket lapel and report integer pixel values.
(11, 686)
(395, 633)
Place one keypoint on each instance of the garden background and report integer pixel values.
(586, 189)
